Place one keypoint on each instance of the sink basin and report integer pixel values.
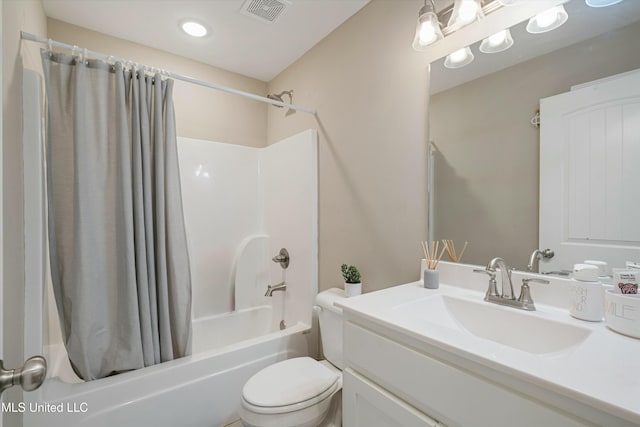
(524, 331)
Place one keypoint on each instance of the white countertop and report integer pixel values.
(600, 371)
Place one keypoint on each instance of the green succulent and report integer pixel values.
(350, 274)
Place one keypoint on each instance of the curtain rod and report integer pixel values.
(98, 55)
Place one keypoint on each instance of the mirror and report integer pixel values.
(486, 156)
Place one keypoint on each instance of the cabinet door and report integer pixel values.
(364, 404)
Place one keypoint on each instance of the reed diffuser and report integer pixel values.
(451, 250)
(432, 256)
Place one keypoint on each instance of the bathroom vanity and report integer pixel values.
(445, 357)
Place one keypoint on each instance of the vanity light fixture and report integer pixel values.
(548, 20)
(464, 13)
(498, 42)
(459, 58)
(601, 3)
(193, 28)
(428, 28)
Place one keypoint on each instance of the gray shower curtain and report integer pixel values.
(117, 241)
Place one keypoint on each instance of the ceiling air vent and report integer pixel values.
(265, 10)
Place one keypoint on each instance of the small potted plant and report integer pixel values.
(352, 283)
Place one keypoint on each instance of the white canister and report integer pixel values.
(587, 296)
(352, 289)
(603, 267)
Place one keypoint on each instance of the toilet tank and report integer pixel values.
(330, 318)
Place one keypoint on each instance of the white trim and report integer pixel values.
(34, 212)
(1, 206)
(1, 203)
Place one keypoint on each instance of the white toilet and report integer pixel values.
(301, 392)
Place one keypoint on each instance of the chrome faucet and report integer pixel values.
(271, 289)
(524, 301)
(536, 256)
(507, 291)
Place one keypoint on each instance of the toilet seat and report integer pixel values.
(288, 386)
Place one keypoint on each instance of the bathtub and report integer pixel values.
(195, 391)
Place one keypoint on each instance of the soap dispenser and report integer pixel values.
(587, 297)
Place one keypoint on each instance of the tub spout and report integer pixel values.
(271, 289)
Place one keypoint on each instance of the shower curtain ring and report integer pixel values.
(50, 46)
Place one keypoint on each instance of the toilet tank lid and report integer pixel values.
(325, 299)
(288, 382)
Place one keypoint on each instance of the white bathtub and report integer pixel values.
(199, 390)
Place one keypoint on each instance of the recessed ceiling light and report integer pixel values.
(193, 28)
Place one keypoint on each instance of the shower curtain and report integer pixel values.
(117, 241)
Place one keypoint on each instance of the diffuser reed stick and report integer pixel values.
(431, 256)
(451, 250)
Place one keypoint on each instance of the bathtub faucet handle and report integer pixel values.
(282, 258)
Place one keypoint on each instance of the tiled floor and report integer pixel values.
(234, 424)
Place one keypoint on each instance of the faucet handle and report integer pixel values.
(492, 290)
(525, 293)
(490, 273)
(534, 279)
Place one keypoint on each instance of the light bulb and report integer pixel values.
(427, 33)
(459, 58)
(497, 42)
(497, 38)
(548, 20)
(468, 10)
(464, 13)
(427, 29)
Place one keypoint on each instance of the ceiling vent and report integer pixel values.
(265, 10)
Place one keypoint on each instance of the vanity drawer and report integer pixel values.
(454, 396)
(367, 405)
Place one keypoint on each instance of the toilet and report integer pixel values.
(301, 392)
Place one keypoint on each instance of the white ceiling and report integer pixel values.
(236, 42)
(584, 23)
(257, 49)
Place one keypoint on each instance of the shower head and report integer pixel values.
(278, 97)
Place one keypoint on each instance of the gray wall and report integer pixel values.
(486, 173)
(370, 89)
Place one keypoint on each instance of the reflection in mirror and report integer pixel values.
(480, 119)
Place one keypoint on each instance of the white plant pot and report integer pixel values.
(352, 289)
